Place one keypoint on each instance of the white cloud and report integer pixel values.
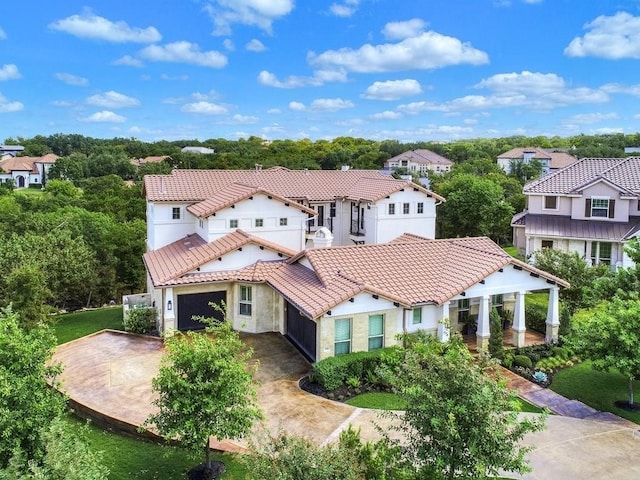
(386, 115)
(91, 26)
(3, 35)
(61, 103)
(613, 37)
(331, 104)
(255, 45)
(297, 106)
(112, 99)
(588, 118)
(204, 108)
(172, 78)
(619, 88)
(129, 61)
(319, 78)
(345, 9)
(524, 82)
(105, 116)
(183, 52)
(9, 72)
(7, 107)
(244, 119)
(427, 51)
(402, 30)
(228, 44)
(393, 89)
(274, 111)
(70, 79)
(259, 13)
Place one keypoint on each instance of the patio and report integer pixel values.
(530, 338)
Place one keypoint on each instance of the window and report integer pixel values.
(547, 243)
(175, 213)
(599, 207)
(417, 315)
(420, 207)
(463, 311)
(392, 209)
(283, 222)
(551, 203)
(600, 253)
(245, 300)
(376, 331)
(343, 336)
(497, 303)
(332, 210)
(201, 223)
(405, 208)
(259, 222)
(233, 223)
(320, 210)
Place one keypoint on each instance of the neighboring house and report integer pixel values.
(419, 161)
(12, 150)
(549, 160)
(26, 171)
(282, 205)
(242, 238)
(591, 207)
(154, 159)
(199, 150)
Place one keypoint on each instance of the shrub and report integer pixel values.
(522, 361)
(539, 377)
(560, 352)
(496, 339)
(140, 320)
(507, 360)
(536, 316)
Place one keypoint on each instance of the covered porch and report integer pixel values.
(530, 338)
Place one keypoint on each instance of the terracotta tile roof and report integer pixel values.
(233, 194)
(557, 226)
(256, 273)
(165, 265)
(26, 164)
(421, 156)
(560, 160)
(152, 159)
(518, 153)
(311, 185)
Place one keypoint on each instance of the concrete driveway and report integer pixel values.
(108, 376)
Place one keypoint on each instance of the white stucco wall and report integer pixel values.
(162, 229)
(535, 205)
(389, 227)
(602, 190)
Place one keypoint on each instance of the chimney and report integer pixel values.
(323, 238)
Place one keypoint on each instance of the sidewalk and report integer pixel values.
(545, 397)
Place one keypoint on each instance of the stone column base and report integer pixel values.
(552, 333)
(482, 343)
(518, 338)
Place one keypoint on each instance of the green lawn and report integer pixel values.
(379, 400)
(511, 250)
(528, 407)
(597, 389)
(127, 457)
(75, 325)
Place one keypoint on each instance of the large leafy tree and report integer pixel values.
(27, 402)
(205, 387)
(609, 336)
(460, 422)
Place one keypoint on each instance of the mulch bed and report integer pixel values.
(340, 394)
(629, 407)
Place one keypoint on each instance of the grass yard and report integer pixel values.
(128, 457)
(80, 324)
(511, 250)
(378, 400)
(597, 389)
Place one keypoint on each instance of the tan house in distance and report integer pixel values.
(419, 161)
(550, 160)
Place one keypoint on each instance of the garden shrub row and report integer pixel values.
(332, 372)
(536, 316)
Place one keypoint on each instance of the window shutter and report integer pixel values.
(587, 207)
(612, 208)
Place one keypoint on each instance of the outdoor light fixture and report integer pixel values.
(169, 305)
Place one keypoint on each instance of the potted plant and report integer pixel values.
(507, 319)
(470, 325)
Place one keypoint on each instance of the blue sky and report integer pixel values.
(379, 69)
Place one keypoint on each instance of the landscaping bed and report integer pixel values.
(539, 363)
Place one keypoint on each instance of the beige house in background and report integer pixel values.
(420, 162)
(550, 160)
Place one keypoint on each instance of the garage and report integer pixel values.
(198, 304)
(301, 331)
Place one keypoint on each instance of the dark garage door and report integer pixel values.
(198, 304)
(302, 332)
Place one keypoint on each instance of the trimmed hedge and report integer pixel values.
(522, 361)
(140, 320)
(332, 372)
(536, 316)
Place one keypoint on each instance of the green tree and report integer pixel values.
(460, 421)
(609, 336)
(496, 337)
(205, 387)
(28, 404)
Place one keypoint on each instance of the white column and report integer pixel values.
(553, 316)
(483, 332)
(169, 311)
(519, 324)
(444, 326)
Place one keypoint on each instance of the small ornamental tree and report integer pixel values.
(609, 337)
(496, 337)
(206, 388)
(460, 422)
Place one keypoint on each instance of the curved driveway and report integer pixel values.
(110, 373)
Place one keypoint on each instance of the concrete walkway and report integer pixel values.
(110, 374)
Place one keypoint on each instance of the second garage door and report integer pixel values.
(198, 304)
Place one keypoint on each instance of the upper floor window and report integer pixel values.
(420, 207)
(175, 213)
(599, 207)
(392, 209)
(551, 203)
(259, 222)
(283, 222)
(405, 208)
(233, 223)
(245, 300)
(201, 223)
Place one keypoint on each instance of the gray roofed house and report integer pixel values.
(591, 207)
(550, 160)
(419, 161)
